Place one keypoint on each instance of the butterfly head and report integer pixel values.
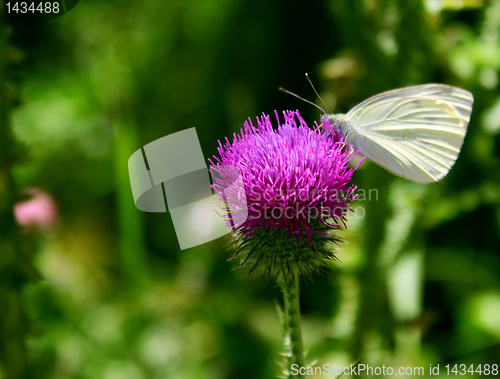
(338, 121)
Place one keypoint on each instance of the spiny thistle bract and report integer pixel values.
(297, 184)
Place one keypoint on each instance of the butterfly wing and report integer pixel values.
(415, 132)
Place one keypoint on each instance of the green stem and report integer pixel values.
(133, 256)
(292, 333)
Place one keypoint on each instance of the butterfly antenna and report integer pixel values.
(301, 98)
(316, 92)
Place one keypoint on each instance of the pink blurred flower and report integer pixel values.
(39, 212)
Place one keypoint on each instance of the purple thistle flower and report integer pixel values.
(297, 180)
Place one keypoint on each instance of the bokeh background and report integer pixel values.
(90, 287)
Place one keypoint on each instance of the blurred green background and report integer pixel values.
(103, 290)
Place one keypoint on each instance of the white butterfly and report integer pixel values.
(415, 132)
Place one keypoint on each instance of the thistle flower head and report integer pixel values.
(297, 184)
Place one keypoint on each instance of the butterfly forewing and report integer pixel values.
(415, 132)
